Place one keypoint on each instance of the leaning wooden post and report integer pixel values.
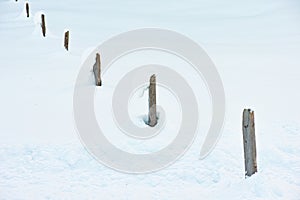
(66, 41)
(97, 70)
(249, 142)
(27, 9)
(152, 118)
(43, 25)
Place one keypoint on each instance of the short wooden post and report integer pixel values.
(152, 117)
(249, 142)
(43, 25)
(66, 42)
(97, 70)
(27, 9)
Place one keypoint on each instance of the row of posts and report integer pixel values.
(248, 125)
(43, 26)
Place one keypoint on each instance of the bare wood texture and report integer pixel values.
(249, 142)
(97, 70)
(152, 121)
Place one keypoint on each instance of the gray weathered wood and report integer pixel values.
(66, 41)
(249, 142)
(43, 25)
(97, 70)
(27, 9)
(152, 118)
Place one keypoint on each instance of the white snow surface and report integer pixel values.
(255, 46)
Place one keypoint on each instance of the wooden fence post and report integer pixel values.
(43, 25)
(152, 118)
(27, 9)
(97, 70)
(249, 142)
(66, 42)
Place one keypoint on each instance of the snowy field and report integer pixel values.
(254, 45)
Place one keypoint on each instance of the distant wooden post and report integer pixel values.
(66, 42)
(152, 117)
(249, 142)
(97, 70)
(27, 9)
(43, 25)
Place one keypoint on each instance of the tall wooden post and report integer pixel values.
(27, 9)
(249, 142)
(97, 70)
(66, 41)
(152, 117)
(43, 25)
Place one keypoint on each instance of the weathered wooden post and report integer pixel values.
(249, 142)
(27, 9)
(66, 41)
(43, 25)
(152, 118)
(97, 70)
